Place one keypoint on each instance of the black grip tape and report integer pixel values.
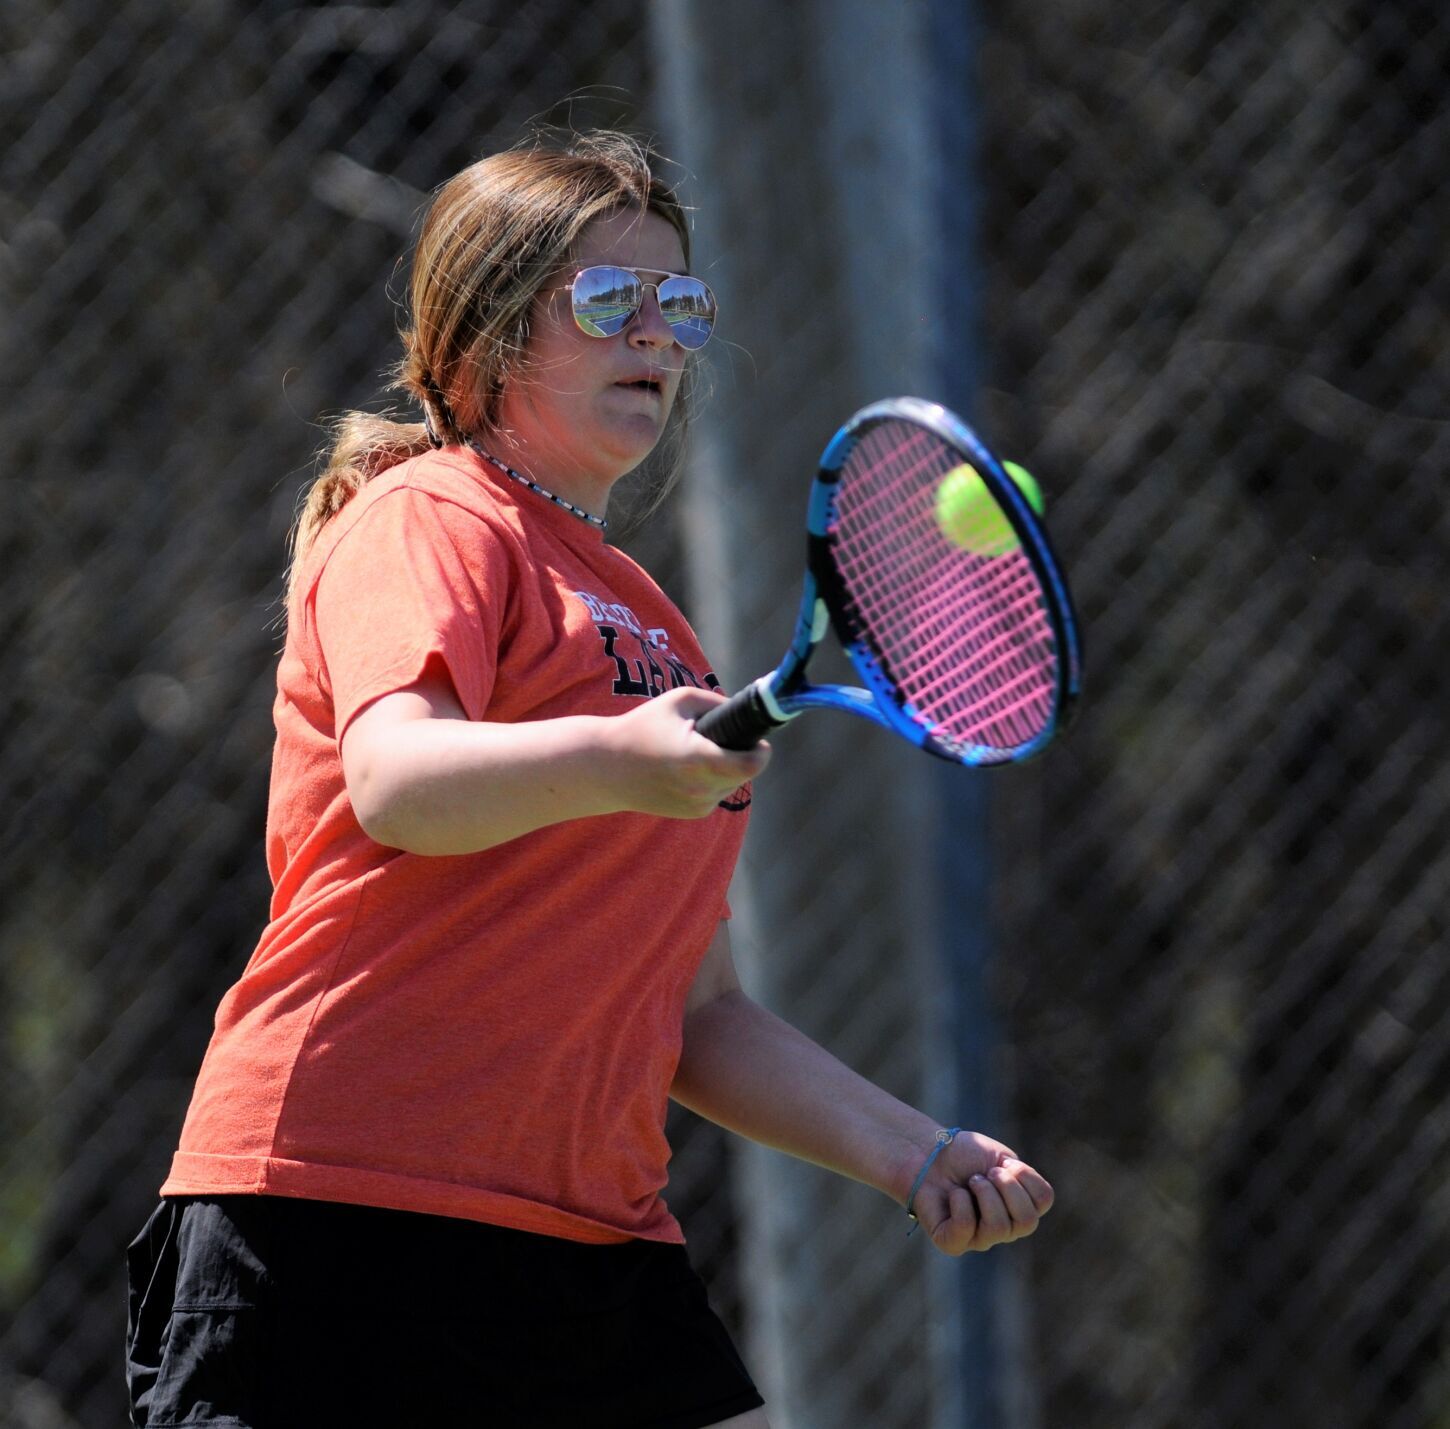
(740, 723)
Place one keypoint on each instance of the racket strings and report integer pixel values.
(966, 637)
(990, 691)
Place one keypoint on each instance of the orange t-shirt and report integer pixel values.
(490, 1035)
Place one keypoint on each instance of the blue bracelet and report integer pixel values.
(943, 1139)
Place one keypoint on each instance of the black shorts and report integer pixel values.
(273, 1313)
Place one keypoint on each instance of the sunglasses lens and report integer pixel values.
(689, 308)
(605, 299)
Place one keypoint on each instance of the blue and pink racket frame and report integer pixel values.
(826, 600)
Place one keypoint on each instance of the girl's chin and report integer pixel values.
(630, 441)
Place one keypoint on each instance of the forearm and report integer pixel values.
(747, 1070)
(450, 786)
(424, 778)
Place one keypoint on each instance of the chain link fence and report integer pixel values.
(204, 210)
(1217, 293)
(1210, 251)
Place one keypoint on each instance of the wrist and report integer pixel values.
(916, 1145)
(943, 1138)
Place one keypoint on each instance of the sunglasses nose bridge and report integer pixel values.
(649, 312)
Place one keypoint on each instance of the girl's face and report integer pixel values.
(581, 415)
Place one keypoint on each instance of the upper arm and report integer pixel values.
(716, 974)
(411, 590)
(365, 741)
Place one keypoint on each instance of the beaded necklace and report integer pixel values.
(568, 506)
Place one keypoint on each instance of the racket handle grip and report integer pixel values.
(740, 723)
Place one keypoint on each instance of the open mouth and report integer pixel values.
(643, 384)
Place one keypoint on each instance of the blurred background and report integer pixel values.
(1189, 263)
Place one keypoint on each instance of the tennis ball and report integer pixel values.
(970, 518)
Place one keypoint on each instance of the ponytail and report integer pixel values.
(363, 446)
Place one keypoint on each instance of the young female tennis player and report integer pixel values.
(419, 1182)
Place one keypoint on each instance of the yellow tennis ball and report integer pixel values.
(970, 518)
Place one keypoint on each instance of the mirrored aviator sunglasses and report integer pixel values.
(605, 300)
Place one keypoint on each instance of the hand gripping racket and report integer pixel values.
(947, 598)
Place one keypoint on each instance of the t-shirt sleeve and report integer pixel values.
(416, 582)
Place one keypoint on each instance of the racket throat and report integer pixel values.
(763, 697)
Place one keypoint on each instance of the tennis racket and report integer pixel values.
(967, 647)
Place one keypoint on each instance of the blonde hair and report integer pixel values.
(495, 234)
